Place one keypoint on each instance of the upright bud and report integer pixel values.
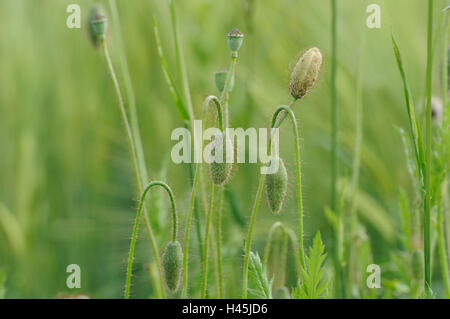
(235, 39)
(221, 164)
(276, 186)
(220, 77)
(305, 73)
(172, 262)
(97, 25)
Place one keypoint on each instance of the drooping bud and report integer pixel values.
(172, 262)
(235, 39)
(97, 25)
(282, 293)
(220, 77)
(276, 186)
(305, 73)
(221, 165)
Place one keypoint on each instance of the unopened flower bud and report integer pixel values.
(305, 73)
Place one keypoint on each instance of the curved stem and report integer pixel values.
(206, 103)
(206, 246)
(134, 160)
(299, 177)
(213, 98)
(136, 228)
(254, 212)
(284, 248)
(272, 230)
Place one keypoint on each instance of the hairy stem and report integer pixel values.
(219, 241)
(254, 212)
(197, 176)
(130, 94)
(136, 228)
(134, 160)
(291, 114)
(206, 245)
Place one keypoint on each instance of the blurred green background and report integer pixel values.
(67, 190)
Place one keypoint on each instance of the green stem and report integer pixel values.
(284, 247)
(340, 290)
(219, 241)
(286, 236)
(206, 246)
(130, 93)
(291, 114)
(136, 228)
(187, 232)
(272, 230)
(254, 212)
(248, 243)
(442, 249)
(225, 95)
(353, 222)
(134, 160)
(427, 200)
(206, 103)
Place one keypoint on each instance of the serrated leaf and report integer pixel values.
(314, 283)
(259, 275)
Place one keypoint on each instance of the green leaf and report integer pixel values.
(259, 275)
(415, 128)
(314, 283)
(181, 108)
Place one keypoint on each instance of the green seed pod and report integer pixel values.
(235, 39)
(305, 73)
(220, 77)
(97, 25)
(220, 168)
(282, 293)
(172, 261)
(276, 186)
(417, 263)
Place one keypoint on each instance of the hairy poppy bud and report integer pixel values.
(305, 73)
(221, 166)
(276, 186)
(172, 262)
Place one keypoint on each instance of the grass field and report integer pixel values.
(68, 192)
